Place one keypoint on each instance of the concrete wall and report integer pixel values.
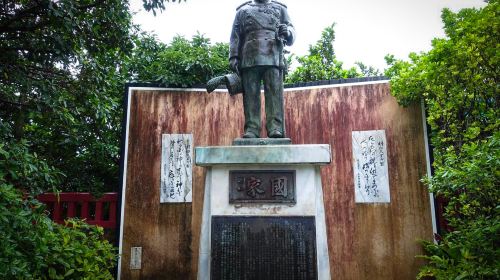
(366, 241)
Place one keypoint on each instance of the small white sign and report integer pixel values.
(176, 168)
(371, 175)
(135, 257)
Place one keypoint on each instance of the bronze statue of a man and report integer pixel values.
(261, 29)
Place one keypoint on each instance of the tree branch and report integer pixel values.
(21, 14)
(14, 103)
(24, 28)
(97, 3)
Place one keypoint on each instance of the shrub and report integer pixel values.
(470, 182)
(34, 247)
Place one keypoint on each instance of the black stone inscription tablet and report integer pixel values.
(261, 248)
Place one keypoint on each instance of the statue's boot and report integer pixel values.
(249, 134)
(275, 134)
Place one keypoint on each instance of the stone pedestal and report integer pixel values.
(263, 213)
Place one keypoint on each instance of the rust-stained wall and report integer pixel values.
(366, 241)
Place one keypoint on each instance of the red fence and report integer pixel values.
(101, 212)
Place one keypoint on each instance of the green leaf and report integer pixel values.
(69, 272)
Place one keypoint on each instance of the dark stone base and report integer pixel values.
(263, 248)
(261, 141)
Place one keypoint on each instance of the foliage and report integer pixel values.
(182, 63)
(466, 254)
(368, 71)
(458, 78)
(458, 81)
(23, 169)
(60, 86)
(63, 65)
(33, 247)
(470, 181)
(470, 197)
(154, 5)
(322, 64)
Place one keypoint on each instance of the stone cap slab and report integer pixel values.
(261, 141)
(316, 154)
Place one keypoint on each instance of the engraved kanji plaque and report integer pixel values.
(258, 247)
(262, 186)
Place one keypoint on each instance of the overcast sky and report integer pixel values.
(366, 30)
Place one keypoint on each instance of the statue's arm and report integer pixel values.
(234, 41)
(285, 19)
(234, 45)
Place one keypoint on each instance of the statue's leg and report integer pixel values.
(273, 91)
(251, 78)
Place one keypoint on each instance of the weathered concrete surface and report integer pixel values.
(368, 241)
(271, 154)
(372, 241)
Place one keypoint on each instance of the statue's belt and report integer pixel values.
(261, 34)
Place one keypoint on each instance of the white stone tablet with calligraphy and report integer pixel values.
(371, 175)
(176, 168)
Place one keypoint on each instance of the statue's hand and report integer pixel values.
(234, 63)
(283, 31)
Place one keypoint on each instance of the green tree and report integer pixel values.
(182, 63)
(458, 81)
(368, 71)
(59, 86)
(157, 5)
(63, 65)
(322, 64)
